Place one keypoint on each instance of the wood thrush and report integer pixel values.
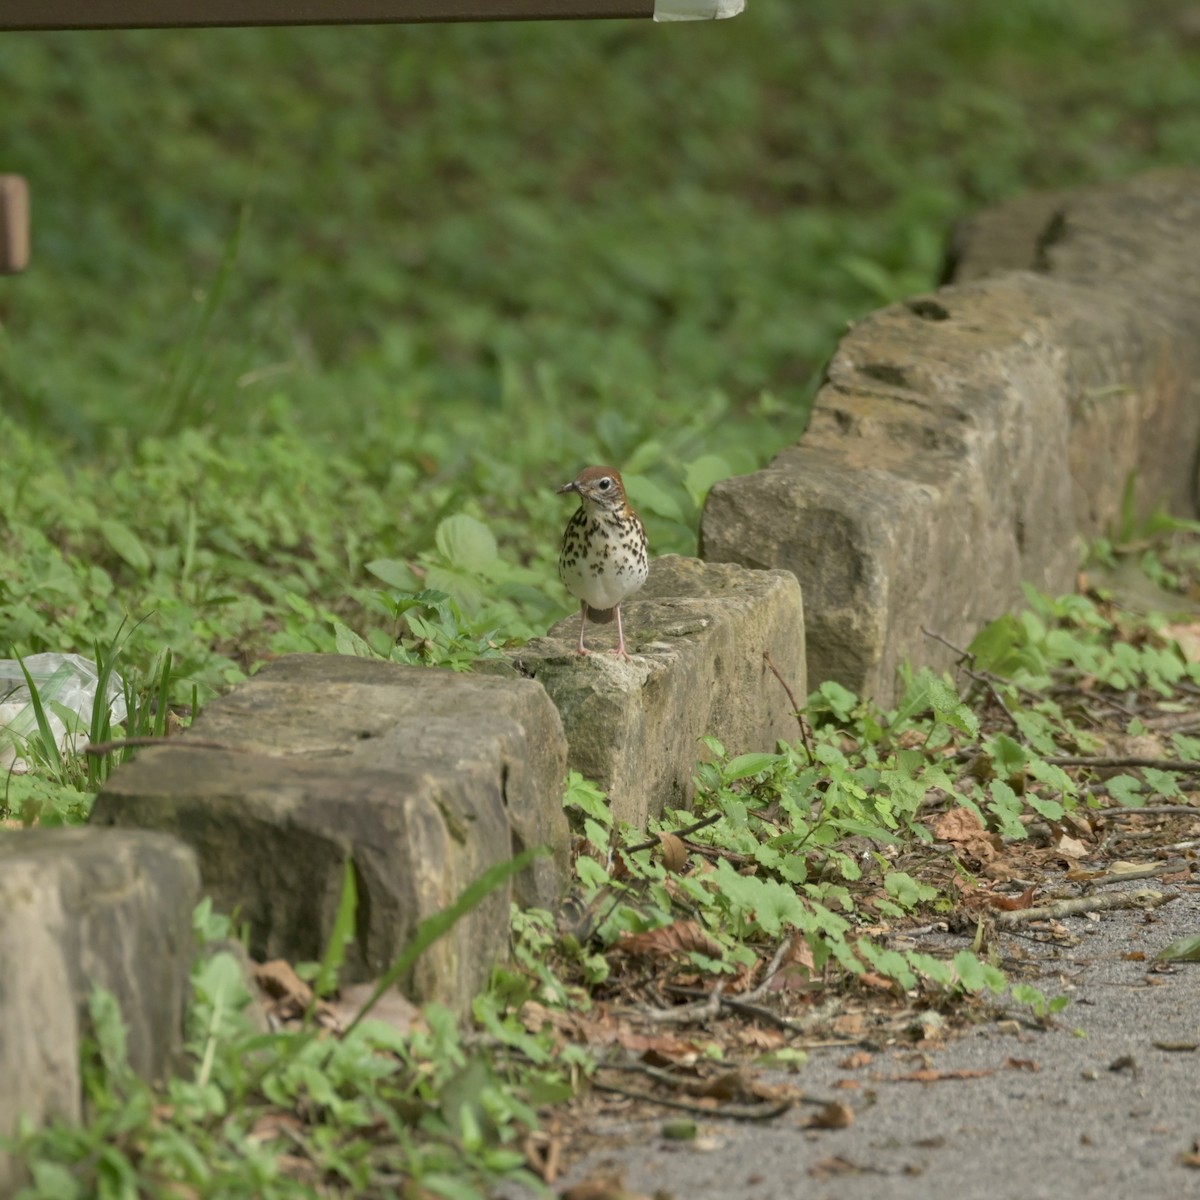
(603, 556)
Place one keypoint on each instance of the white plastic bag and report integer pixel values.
(69, 680)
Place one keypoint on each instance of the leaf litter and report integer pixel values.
(1029, 870)
(713, 973)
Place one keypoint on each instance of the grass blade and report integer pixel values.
(340, 938)
(441, 923)
(49, 741)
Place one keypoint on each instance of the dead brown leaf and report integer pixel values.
(928, 1075)
(1012, 903)
(668, 941)
(274, 1124)
(879, 982)
(1070, 847)
(602, 1187)
(754, 1037)
(675, 853)
(658, 1049)
(797, 970)
(860, 1058)
(290, 995)
(962, 827)
(1023, 1064)
(848, 1025)
(392, 1008)
(835, 1115)
(834, 1165)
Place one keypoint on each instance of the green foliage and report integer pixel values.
(62, 780)
(791, 819)
(311, 372)
(371, 1111)
(434, 632)
(1071, 639)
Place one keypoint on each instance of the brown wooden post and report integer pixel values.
(14, 224)
(162, 14)
(117, 14)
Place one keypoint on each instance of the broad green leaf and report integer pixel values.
(1050, 809)
(746, 765)
(906, 890)
(933, 968)
(1126, 790)
(1165, 783)
(1006, 806)
(841, 701)
(1184, 950)
(466, 542)
(976, 975)
(127, 544)
(394, 573)
(888, 962)
(348, 642)
(645, 493)
(701, 473)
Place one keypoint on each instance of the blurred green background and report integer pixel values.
(316, 311)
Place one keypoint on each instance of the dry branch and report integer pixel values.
(1077, 907)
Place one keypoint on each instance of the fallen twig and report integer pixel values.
(762, 1112)
(686, 1013)
(1121, 760)
(804, 736)
(1150, 810)
(1171, 867)
(697, 1084)
(188, 743)
(987, 678)
(1144, 898)
(744, 1007)
(651, 843)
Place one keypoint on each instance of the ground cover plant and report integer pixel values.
(299, 296)
(860, 884)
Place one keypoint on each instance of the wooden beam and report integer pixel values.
(14, 224)
(161, 14)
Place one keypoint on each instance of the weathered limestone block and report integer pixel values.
(421, 779)
(1137, 241)
(697, 633)
(963, 440)
(80, 908)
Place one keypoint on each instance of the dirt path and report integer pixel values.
(1093, 1107)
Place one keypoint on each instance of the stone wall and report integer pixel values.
(962, 442)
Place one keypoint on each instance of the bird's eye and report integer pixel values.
(604, 484)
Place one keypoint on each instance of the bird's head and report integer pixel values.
(600, 486)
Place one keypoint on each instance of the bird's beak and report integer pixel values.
(568, 487)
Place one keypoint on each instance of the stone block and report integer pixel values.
(78, 908)
(1133, 241)
(421, 779)
(963, 441)
(697, 633)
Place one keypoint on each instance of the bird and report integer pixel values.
(604, 552)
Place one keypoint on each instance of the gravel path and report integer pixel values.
(1106, 1112)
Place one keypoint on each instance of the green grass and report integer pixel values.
(297, 296)
(303, 300)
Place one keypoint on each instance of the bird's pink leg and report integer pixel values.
(582, 625)
(620, 651)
